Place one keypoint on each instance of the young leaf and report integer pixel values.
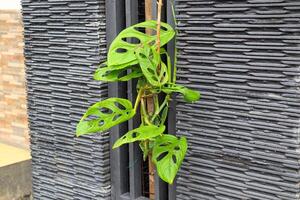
(189, 95)
(167, 154)
(109, 74)
(121, 52)
(104, 115)
(140, 134)
(149, 60)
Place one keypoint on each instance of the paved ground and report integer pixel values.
(15, 173)
(10, 155)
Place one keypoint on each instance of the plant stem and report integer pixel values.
(160, 108)
(144, 112)
(138, 99)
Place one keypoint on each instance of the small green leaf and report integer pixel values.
(121, 52)
(109, 74)
(189, 95)
(168, 154)
(104, 115)
(149, 60)
(140, 134)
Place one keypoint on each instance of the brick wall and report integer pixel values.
(13, 116)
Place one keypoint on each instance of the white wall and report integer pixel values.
(10, 4)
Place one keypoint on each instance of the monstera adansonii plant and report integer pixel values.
(138, 53)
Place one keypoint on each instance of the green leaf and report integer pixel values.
(168, 154)
(189, 95)
(104, 115)
(121, 52)
(109, 74)
(140, 134)
(149, 60)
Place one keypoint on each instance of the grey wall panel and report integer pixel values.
(64, 42)
(244, 133)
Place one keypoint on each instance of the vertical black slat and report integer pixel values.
(135, 155)
(115, 16)
(172, 112)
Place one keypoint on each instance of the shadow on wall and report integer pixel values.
(13, 115)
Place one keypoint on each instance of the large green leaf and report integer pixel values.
(121, 52)
(188, 94)
(109, 74)
(149, 61)
(104, 115)
(140, 134)
(168, 154)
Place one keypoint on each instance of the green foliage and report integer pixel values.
(140, 134)
(104, 115)
(149, 60)
(133, 55)
(168, 154)
(189, 95)
(122, 52)
(108, 74)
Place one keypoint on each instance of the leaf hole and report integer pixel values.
(177, 148)
(164, 144)
(116, 117)
(120, 106)
(91, 117)
(122, 73)
(134, 134)
(150, 31)
(106, 110)
(151, 70)
(121, 50)
(152, 43)
(132, 40)
(101, 123)
(174, 159)
(154, 78)
(163, 28)
(142, 55)
(161, 156)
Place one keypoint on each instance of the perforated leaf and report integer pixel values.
(168, 154)
(104, 115)
(121, 52)
(109, 74)
(140, 134)
(149, 60)
(188, 94)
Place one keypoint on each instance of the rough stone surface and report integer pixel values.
(64, 43)
(243, 135)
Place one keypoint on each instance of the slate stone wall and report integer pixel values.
(64, 43)
(243, 56)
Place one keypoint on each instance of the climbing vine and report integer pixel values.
(135, 54)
